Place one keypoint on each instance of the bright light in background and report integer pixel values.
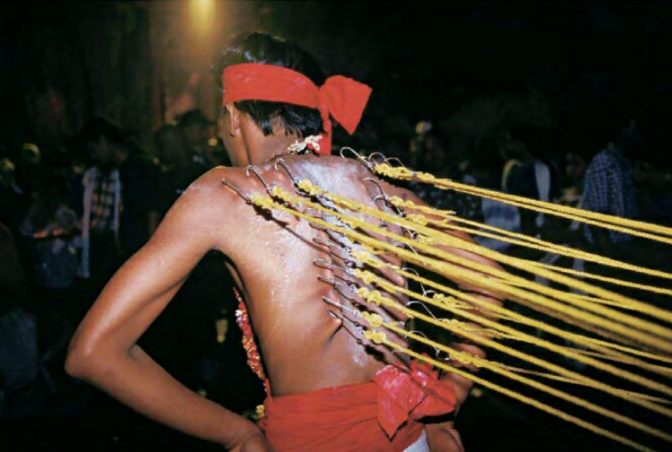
(202, 16)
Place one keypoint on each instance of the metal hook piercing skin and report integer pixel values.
(330, 233)
(359, 331)
(386, 198)
(322, 263)
(382, 194)
(339, 238)
(375, 154)
(349, 284)
(282, 163)
(295, 182)
(347, 148)
(353, 286)
(339, 286)
(344, 248)
(377, 184)
(437, 352)
(412, 302)
(237, 190)
(415, 272)
(332, 282)
(387, 159)
(329, 265)
(266, 185)
(373, 158)
(342, 307)
(329, 243)
(396, 245)
(358, 328)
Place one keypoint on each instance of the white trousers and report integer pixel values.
(420, 445)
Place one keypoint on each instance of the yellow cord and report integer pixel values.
(604, 220)
(450, 240)
(592, 310)
(520, 397)
(479, 279)
(266, 202)
(381, 299)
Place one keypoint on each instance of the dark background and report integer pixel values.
(569, 66)
(472, 68)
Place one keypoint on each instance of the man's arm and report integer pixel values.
(104, 350)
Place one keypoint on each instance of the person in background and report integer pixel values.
(18, 184)
(575, 172)
(52, 227)
(96, 196)
(609, 187)
(486, 169)
(195, 125)
(653, 182)
(176, 167)
(529, 172)
(21, 394)
(215, 150)
(138, 173)
(14, 201)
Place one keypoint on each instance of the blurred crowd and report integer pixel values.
(614, 174)
(69, 217)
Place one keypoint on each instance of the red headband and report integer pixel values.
(340, 97)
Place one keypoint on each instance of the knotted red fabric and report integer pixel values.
(340, 98)
(414, 394)
(378, 416)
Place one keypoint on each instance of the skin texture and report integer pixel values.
(283, 267)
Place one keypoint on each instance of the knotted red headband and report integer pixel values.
(340, 97)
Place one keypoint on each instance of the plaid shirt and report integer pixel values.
(102, 203)
(608, 188)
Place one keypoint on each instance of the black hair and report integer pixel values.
(193, 117)
(96, 128)
(164, 133)
(264, 48)
(486, 154)
(532, 136)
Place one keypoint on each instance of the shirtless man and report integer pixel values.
(279, 267)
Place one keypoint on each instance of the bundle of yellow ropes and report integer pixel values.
(610, 332)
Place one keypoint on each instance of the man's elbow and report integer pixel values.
(80, 361)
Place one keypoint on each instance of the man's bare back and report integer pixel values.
(289, 272)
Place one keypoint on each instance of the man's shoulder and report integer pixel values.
(210, 189)
(330, 162)
(208, 206)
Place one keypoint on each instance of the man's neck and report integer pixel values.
(275, 145)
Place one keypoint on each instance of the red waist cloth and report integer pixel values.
(377, 416)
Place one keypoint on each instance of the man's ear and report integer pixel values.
(233, 120)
